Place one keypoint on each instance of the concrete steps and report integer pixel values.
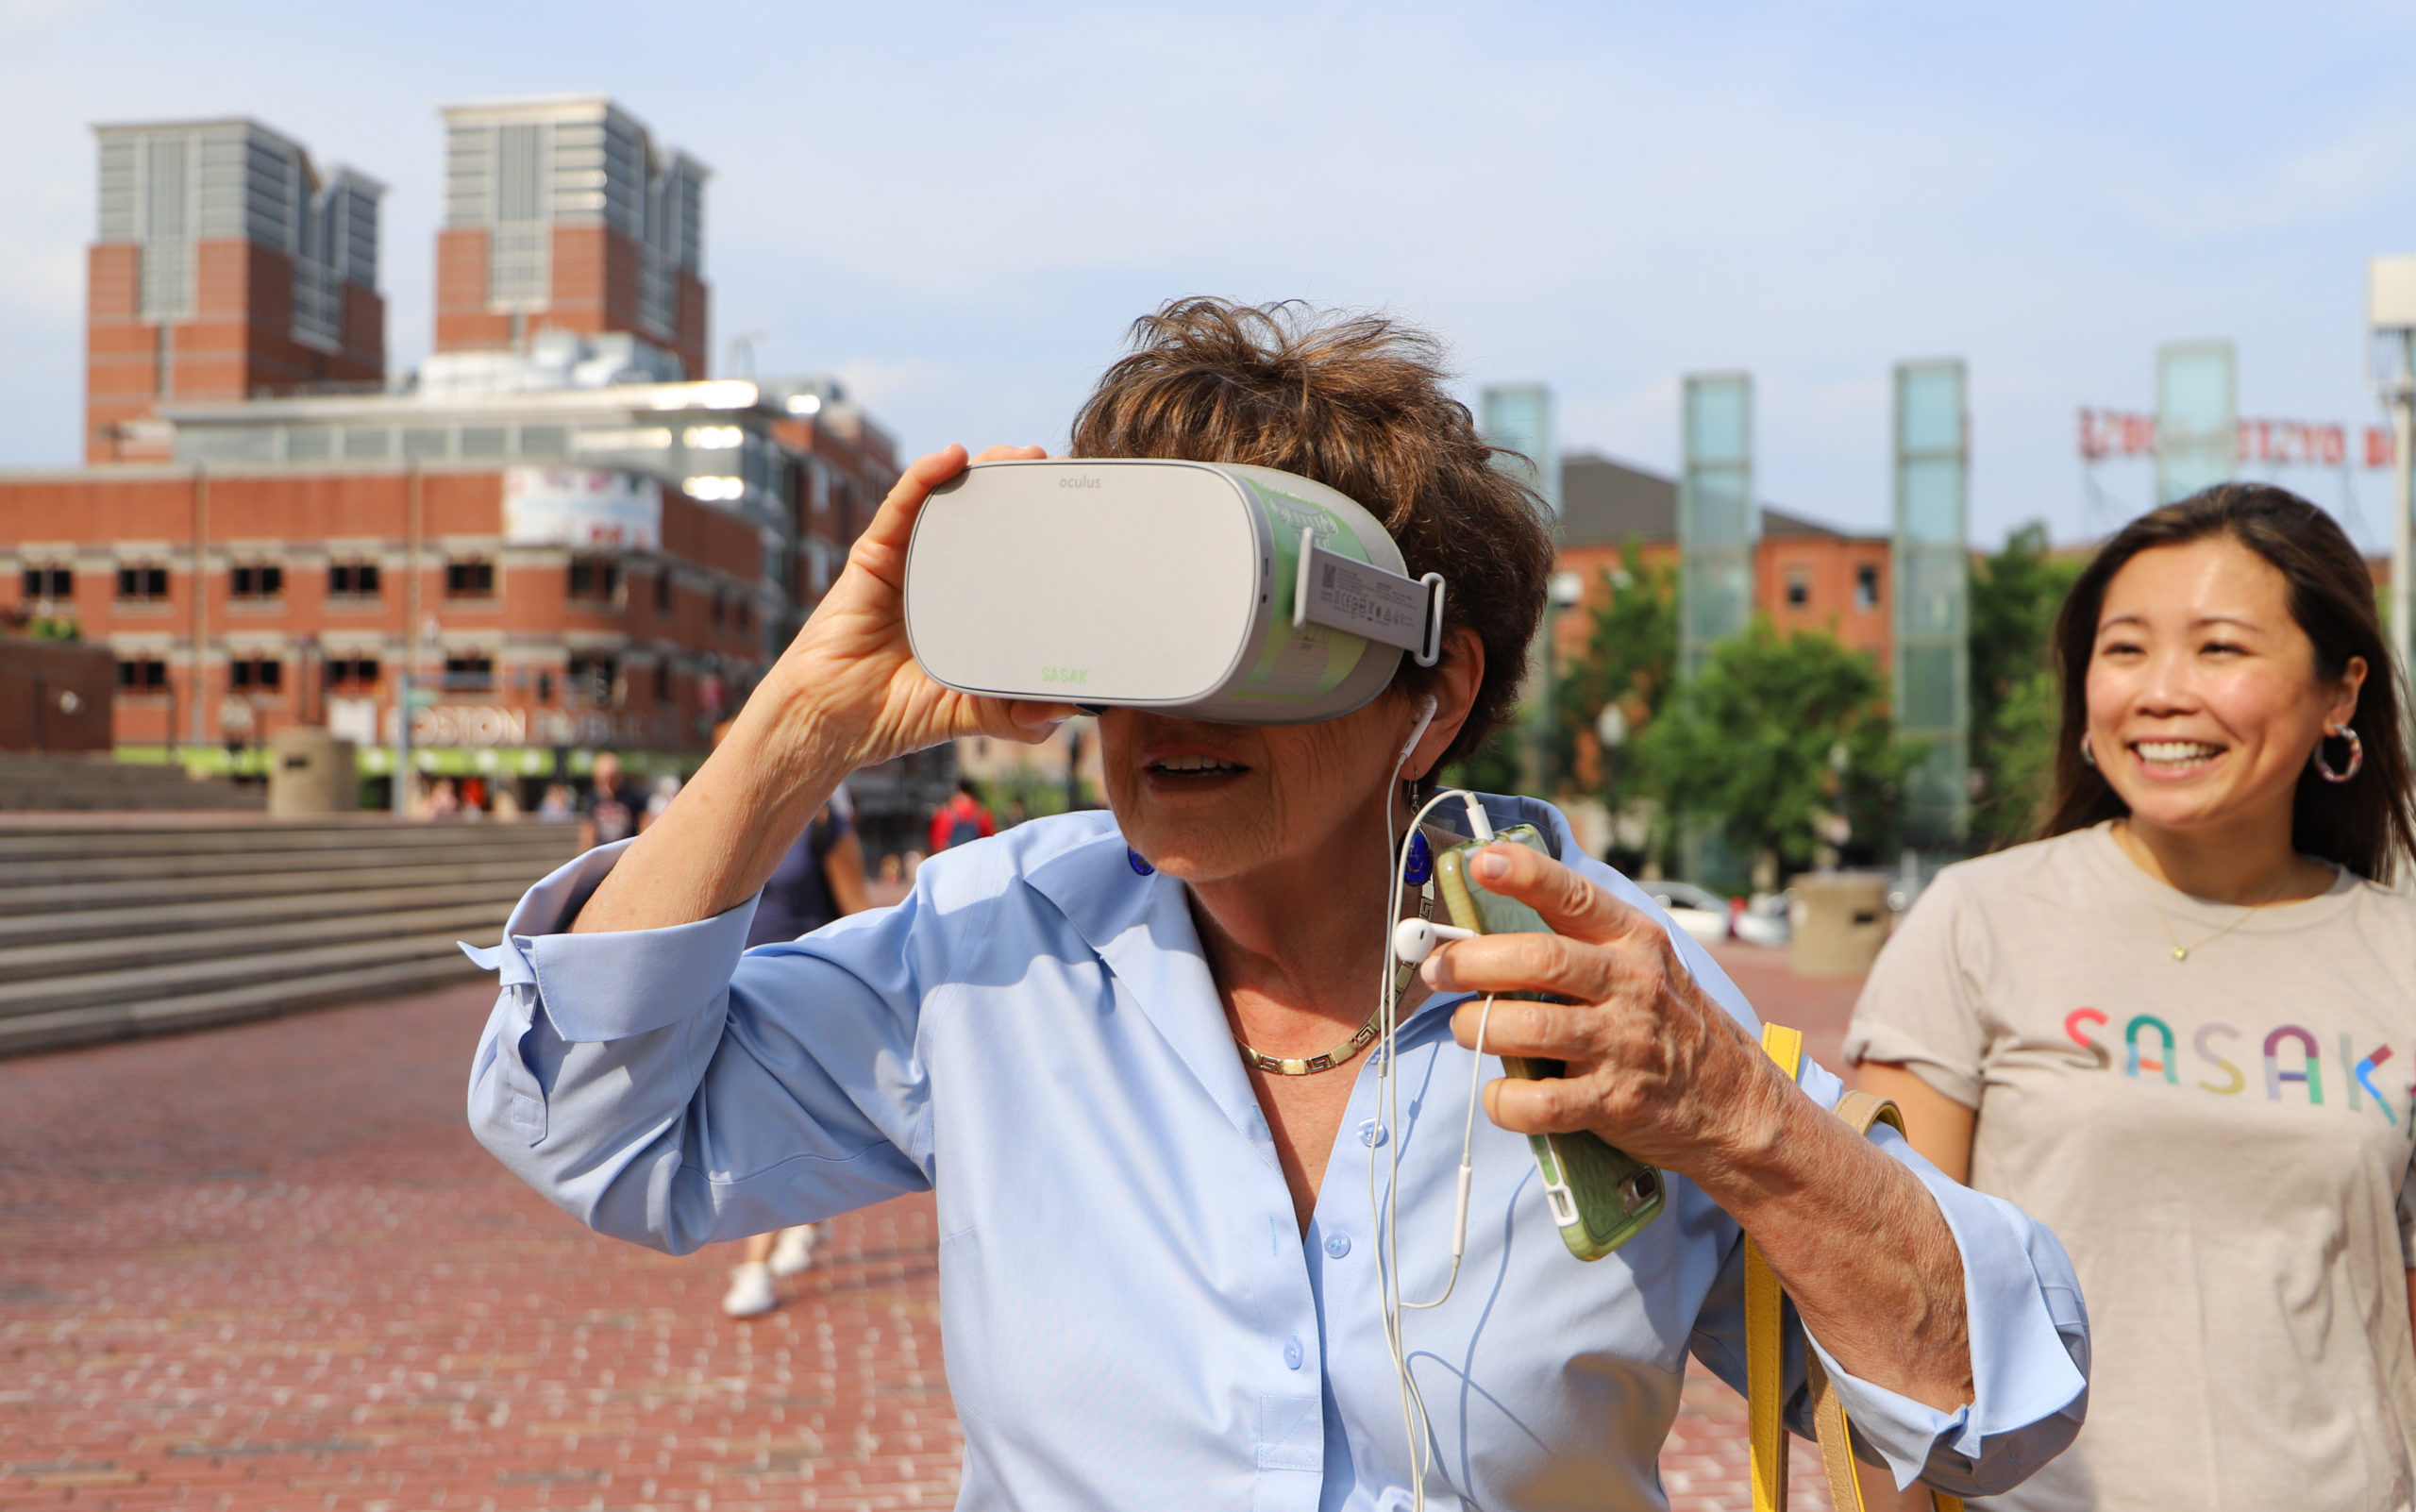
(56, 783)
(122, 928)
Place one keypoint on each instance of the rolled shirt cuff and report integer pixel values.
(596, 988)
(2025, 1325)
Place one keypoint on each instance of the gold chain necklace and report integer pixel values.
(1349, 1050)
(2181, 951)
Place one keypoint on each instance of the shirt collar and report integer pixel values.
(1141, 926)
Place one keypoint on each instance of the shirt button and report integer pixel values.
(1292, 1352)
(1371, 1136)
(1337, 1244)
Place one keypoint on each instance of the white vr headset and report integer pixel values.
(1209, 590)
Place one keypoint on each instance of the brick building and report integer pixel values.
(225, 265)
(1807, 576)
(563, 213)
(563, 533)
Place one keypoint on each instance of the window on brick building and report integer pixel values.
(473, 673)
(142, 585)
(593, 681)
(351, 673)
(545, 687)
(721, 607)
(662, 683)
(1798, 587)
(595, 580)
(352, 579)
(662, 588)
(54, 580)
(1866, 587)
(255, 580)
(469, 578)
(265, 674)
(143, 674)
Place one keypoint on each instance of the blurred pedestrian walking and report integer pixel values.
(961, 819)
(2179, 1029)
(608, 814)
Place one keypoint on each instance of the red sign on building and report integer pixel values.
(2276, 442)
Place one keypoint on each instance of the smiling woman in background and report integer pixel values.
(2180, 1029)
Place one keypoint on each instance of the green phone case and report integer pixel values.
(1600, 1195)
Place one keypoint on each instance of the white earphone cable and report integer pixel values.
(1384, 1211)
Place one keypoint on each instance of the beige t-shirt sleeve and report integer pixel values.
(1920, 1006)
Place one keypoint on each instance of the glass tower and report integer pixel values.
(2197, 418)
(1718, 523)
(1519, 416)
(1933, 572)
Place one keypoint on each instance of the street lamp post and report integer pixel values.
(2390, 315)
(1564, 592)
(1610, 732)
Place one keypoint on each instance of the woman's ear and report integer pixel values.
(1457, 676)
(2353, 681)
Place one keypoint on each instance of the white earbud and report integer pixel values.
(1414, 939)
(1425, 717)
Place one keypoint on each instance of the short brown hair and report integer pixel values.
(1358, 403)
(2367, 825)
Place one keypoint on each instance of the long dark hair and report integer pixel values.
(2367, 824)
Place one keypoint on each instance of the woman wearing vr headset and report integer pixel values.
(1130, 1052)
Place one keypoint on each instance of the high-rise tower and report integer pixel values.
(564, 213)
(226, 267)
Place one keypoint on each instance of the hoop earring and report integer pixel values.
(2357, 756)
(2088, 757)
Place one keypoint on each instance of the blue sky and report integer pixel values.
(959, 209)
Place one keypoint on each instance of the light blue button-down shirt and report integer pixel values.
(1129, 1309)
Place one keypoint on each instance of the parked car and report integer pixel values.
(1764, 920)
(1698, 911)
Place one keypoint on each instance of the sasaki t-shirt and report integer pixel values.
(2220, 1142)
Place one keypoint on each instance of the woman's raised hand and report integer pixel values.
(847, 693)
(849, 669)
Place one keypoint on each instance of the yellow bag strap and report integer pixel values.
(1765, 1343)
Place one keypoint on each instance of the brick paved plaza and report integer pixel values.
(266, 1267)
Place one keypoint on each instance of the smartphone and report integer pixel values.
(1600, 1195)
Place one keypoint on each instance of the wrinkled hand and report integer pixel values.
(850, 663)
(1652, 1063)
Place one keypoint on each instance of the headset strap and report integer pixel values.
(1345, 594)
(1765, 1342)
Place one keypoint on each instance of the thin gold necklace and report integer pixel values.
(1349, 1050)
(2181, 951)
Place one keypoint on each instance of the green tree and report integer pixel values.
(1631, 654)
(1783, 743)
(2015, 595)
(1630, 657)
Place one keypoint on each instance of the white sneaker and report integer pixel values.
(750, 1293)
(793, 1251)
